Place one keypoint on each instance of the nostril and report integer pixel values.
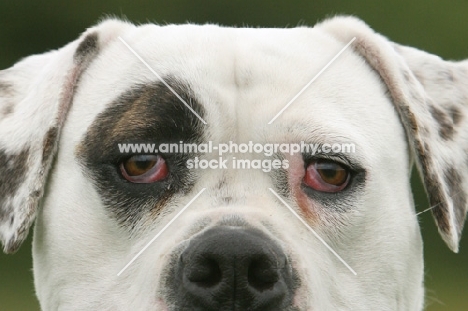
(205, 272)
(263, 274)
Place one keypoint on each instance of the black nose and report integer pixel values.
(233, 268)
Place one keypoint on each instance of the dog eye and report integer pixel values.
(326, 176)
(144, 169)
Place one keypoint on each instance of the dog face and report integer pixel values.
(237, 245)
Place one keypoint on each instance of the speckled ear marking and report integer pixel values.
(6, 88)
(89, 46)
(7, 109)
(6, 91)
(50, 139)
(459, 194)
(431, 97)
(444, 121)
(13, 168)
(28, 144)
(456, 115)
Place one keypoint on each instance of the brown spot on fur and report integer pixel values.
(7, 109)
(89, 46)
(456, 115)
(12, 174)
(6, 89)
(445, 124)
(454, 183)
(50, 140)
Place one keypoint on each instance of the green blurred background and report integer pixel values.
(440, 27)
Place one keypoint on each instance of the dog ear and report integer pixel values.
(35, 96)
(431, 97)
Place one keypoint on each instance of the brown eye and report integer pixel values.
(326, 176)
(144, 168)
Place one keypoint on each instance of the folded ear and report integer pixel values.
(35, 96)
(431, 97)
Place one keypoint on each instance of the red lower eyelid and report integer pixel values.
(157, 173)
(313, 180)
(160, 172)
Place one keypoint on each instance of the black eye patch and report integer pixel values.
(144, 114)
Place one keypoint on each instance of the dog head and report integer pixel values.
(236, 241)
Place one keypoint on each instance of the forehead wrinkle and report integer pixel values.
(313, 133)
(318, 133)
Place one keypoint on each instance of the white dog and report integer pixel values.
(236, 245)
